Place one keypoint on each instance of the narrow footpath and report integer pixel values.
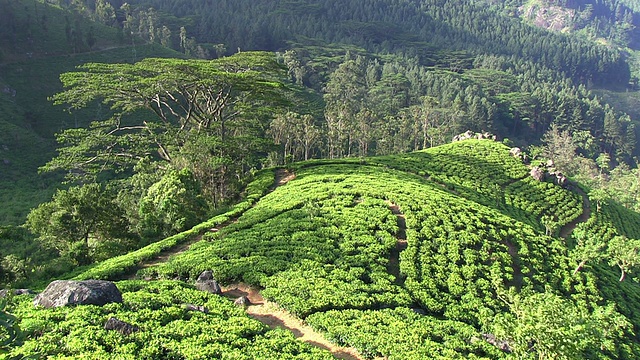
(282, 176)
(393, 267)
(566, 230)
(274, 317)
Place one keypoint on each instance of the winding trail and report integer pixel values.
(566, 230)
(393, 267)
(266, 312)
(282, 176)
(274, 317)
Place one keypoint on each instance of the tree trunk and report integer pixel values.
(424, 134)
(622, 275)
(579, 266)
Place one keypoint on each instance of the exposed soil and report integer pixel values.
(283, 176)
(517, 271)
(566, 230)
(167, 254)
(393, 267)
(269, 314)
(266, 312)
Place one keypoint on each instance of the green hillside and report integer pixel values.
(37, 28)
(391, 243)
(421, 255)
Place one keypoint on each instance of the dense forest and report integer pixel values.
(147, 117)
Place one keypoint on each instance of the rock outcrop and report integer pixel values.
(242, 301)
(471, 135)
(206, 282)
(537, 173)
(120, 326)
(5, 292)
(200, 308)
(87, 292)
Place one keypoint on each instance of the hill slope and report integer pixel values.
(412, 256)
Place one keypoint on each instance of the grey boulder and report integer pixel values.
(70, 292)
(206, 282)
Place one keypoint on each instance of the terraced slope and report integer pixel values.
(325, 247)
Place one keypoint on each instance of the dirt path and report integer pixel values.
(282, 177)
(266, 312)
(566, 230)
(515, 265)
(269, 314)
(393, 267)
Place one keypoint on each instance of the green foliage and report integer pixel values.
(166, 329)
(171, 205)
(120, 265)
(533, 200)
(588, 248)
(326, 247)
(205, 116)
(9, 330)
(77, 222)
(546, 326)
(401, 333)
(36, 28)
(28, 123)
(22, 256)
(321, 246)
(624, 253)
(309, 257)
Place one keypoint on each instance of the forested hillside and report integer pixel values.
(413, 74)
(301, 151)
(38, 42)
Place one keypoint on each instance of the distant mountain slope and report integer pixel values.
(36, 28)
(409, 257)
(397, 26)
(31, 121)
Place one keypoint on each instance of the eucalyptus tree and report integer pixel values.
(345, 93)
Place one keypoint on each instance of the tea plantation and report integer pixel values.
(439, 254)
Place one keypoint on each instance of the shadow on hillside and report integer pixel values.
(274, 322)
(338, 354)
(494, 197)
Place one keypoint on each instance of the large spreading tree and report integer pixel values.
(180, 138)
(205, 115)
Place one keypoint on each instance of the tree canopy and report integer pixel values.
(174, 111)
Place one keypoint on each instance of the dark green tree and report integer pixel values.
(78, 221)
(171, 205)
